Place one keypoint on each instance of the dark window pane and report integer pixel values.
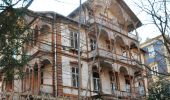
(76, 40)
(75, 76)
(95, 74)
(71, 39)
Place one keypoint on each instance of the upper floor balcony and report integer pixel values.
(116, 49)
(112, 24)
(105, 54)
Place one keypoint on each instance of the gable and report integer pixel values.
(116, 9)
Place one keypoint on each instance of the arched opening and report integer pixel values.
(133, 45)
(123, 70)
(124, 79)
(44, 68)
(104, 41)
(106, 65)
(135, 53)
(120, 46)
(46, 77)
(117, 12)
(107, 80)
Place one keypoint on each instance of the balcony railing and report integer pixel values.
(102, 53)
(111, 55)
(139, 91)
(121, 93)
(123, 59)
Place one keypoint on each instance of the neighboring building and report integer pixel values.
(108, 54)
(156, 55)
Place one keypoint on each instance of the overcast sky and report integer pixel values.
(64, 7)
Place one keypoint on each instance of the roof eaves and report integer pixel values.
(130, 12)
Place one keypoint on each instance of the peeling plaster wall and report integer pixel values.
(122, 82)
(65, 35)
(17, 85)
(105, 78)
(67, 75)
(47, 79)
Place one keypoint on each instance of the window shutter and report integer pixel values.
(76, 40)
(71, 39)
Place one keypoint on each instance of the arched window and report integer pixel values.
(35, 68)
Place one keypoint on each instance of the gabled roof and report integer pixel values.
(130, 12)
(122, 4)
(50, 15)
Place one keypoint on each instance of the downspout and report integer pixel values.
(54, 54)
(55, 46)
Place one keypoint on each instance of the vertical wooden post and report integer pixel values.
(33, 80)
(39, 77)
(131, 87)
(144, 83)
(100, 79)
(30, 79)
(22, 85)
(118, 80)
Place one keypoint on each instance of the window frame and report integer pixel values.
(74, 39)
(92, 44)
(96, 82)
(113, 82)
(76, 75)
(127, 85)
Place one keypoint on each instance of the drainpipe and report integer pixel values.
(54, 55)
(55, 46)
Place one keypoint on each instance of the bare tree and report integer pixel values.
(158, 12)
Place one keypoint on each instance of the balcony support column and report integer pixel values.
(100, 82)
(32, 87)
(39, 77)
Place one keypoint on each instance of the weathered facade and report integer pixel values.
(109, 54)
